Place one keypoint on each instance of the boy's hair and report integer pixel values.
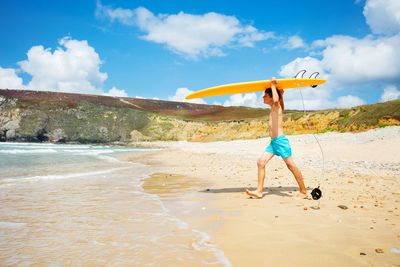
(269, 92)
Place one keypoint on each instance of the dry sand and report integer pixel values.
(205, 183)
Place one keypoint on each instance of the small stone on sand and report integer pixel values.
(379, 250)
(343, 207)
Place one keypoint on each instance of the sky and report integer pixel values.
(167, 49)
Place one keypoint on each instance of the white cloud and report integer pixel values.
(180, 95)
(141, 97)
(319, 97)
(352, 60)
(123, 16)
(346, 61)
(314, 98)
(9, 79)
(294, 42)
(116, 92)
(74, 69)
(250, 35)
(187, 34)
(248, 100)
(349, 101)
(307, 63)
(383, 16)
(390, 93)
(195, 35)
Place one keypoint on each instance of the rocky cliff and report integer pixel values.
(37, 116)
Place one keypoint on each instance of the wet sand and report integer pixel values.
(362, 176)
(93, 211)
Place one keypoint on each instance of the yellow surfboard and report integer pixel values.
(256, 86)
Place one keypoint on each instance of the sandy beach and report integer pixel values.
(355, 223)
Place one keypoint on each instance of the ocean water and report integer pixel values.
(82, 205)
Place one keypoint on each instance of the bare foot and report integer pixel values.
(254, 193)
(301, 196)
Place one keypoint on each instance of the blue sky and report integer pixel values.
(167, 49)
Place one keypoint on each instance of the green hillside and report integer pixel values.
(37, 116)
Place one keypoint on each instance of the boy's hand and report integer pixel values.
(275, 82)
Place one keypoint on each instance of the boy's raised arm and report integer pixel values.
(275, 96)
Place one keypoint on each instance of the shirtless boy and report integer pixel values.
(279, 143)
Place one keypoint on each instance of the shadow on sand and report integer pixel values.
(285, 191)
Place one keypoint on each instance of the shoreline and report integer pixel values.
(103, 214)
(303, 232)
(154, 143)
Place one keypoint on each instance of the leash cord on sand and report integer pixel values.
(305, 116)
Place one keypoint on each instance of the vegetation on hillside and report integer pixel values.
(62, 117)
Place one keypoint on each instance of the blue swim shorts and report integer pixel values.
(280, 146)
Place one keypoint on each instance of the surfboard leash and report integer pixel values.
(316, 193)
